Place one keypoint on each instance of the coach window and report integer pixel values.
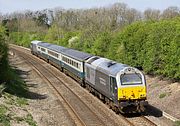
(76, 65)
(67, 60)
(49, 52)
(56, 55)
(79, 65)
(73, 63)
(42, 49)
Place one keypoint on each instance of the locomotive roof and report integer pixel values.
(108, 66)
(52, 46)
(81, 56)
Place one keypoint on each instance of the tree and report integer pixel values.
(101, 45)
(3, 52)
(152, 14)
(171, 12)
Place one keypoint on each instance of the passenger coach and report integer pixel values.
(68, 60)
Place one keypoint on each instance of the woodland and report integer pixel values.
(148, 40)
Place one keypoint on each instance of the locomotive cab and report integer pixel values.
(131, 88)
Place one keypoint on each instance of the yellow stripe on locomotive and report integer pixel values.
(132, 93)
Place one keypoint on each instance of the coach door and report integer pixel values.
(113, 88)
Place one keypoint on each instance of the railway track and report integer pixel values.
(82, 112)
(141, 121)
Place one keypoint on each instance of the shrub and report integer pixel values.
(162, 95)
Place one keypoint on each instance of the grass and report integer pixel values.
(15, 85)
(177, 123)
(17, 101)
(15, 95)
(162, 95)
(19, 119)
(21, 101)
(30, 121)
(4, 119)
(13, 90)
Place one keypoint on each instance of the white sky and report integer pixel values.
(8, 6)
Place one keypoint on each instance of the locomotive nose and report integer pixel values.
(132, 93)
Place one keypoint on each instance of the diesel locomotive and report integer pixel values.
(120, 86)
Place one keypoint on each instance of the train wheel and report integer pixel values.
(82, 83)
(61, 69)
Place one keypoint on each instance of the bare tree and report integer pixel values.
(132, 15)
(171, 12)
(152, 14)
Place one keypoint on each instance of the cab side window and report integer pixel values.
(112, 84)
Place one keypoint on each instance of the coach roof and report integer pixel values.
(81, 56)
(53, 47)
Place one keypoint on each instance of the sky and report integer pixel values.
(9, 6)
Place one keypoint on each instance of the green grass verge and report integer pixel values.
(4, 119)
(177, 123)
(30, 121)
(14, 84)
(162, 95)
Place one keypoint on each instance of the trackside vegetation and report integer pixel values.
(11, 81)
(148, 40)
(13, 90)
(153, 46)
(3, 54)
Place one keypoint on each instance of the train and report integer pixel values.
(122, 87)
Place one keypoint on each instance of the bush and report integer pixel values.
(152, 46)
(101, 45)
(3, 54)
(162, 95)
(25, 38)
